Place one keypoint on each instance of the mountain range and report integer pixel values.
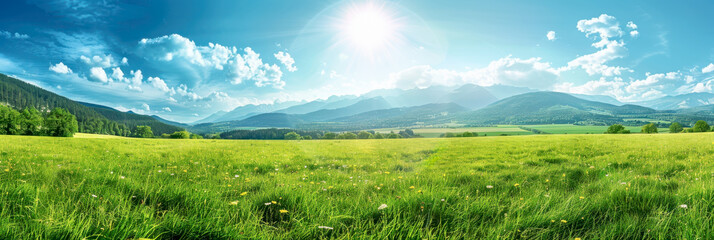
(436, 106)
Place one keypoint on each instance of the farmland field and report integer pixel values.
(578, 129)
(482, 131)
(636, 186)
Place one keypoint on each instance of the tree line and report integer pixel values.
(675, 127)
(58, 122)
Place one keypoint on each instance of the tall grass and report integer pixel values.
(529, 187)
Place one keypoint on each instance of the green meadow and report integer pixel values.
(633, 186)
(579, 129)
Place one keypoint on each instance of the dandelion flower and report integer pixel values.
(563, 221)
(244, 193)
(581, 197)
(273, 202)
(383, 206)
(578, 239)
(516, 185)
(283, 211)
(234, 203)
(412, 187)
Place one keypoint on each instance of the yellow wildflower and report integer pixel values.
(244, 193)
(283, 211)
(516, 185)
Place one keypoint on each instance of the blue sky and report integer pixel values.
(184, 60)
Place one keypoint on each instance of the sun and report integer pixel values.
(368, 27)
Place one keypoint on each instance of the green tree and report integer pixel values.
(10, 121)
(307, 137)
(649, 128)
(393, 135)
(364, 135)
(181, 135)
(329, 135)
(143, 132)
(31, 121)
(701, 126)
(292, 136)
(467, 134)
(675, 128)
(60, 123)
(347, 135)
(196, 136)
(616, 128)
(378, 136)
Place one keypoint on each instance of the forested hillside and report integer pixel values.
(91, 119)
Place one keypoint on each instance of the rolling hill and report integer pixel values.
(550, 107)
(92, 118)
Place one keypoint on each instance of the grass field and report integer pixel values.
(482, 131)
(577, 129)
(637, 186)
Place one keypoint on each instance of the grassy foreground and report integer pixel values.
(536, 187)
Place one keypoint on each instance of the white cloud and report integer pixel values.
(166, 109)
(16, 35)
(146, 107)
(118, 74)
(60, 68)
(158, 83)
(105, 61)
(653, 81)
(709, 68)
(136, 79)
(205, 60)
(124, 61)
(551, 35)
(634, 33)
(98, 74)
(631, 25)
(598, 87)
(530, 72)
(286, 60)
(605, 27)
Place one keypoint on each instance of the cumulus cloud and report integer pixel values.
(16, 35)
(104, 61)
(550, 35)
(60, 68)
(654, 81)
(213, 58)
(631, 25)
(597, 87)
(167, 109)
(286, 60)
(146, 107)
(652, 86)
(158, 83)
(709, 68)
(530, 72)
(98, 74)
(605, 28)
(118, 75)
(634, 33)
